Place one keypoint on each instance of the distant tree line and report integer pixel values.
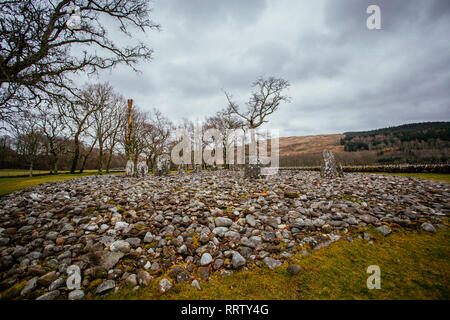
(406, 140)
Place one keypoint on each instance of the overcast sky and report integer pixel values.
(344, 77)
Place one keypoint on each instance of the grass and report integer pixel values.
(414, 265)
(441, 177)
(22, 172)
(8, 185)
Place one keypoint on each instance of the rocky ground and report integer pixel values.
(130, 231)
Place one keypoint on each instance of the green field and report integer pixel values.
(414, 265)
(8, 185)
(21, 172)
(442, 177)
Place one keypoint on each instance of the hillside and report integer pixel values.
(427, 142)
(311, 144)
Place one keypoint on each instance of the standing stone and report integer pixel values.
(142, 169)
(197, 168)
(234, 167)
(129, 170)
(252, 169)
(329, 168)
(162, 165)
(340, 170)
(180, 170)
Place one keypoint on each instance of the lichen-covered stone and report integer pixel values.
(162, 167)
(329, 168)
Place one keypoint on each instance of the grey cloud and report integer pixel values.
(344, 77)
(205, 13)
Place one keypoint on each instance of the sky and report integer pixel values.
(343, 76)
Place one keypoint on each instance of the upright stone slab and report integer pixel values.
(142, 169)
(340, 170)
(252, 170)
(180, 169)
(129, 170)
(329, 168)
(197, 168)
(162, 165)
(234, 167)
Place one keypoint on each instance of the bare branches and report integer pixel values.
(267, 95)
(36, 51)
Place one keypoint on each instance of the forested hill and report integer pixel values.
(425, 135)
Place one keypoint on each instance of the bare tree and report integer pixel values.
(28, 138)
(157, 133)
(38, 38)
(85, 152)
(105, 118)
(134, 140)
(265, 99)
(224, 122)
(117, 124)
(78, 118)
(53, 129)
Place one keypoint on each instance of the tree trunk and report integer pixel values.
(135, 160)
(76, 154)
(54, 164)
(100, 158)
(87, 156)
(108, 161)
(83, 164)
(31, 169)
(55, 168)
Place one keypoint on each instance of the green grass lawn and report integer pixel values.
(8, 185)
(414, 265)
(21, 172)
(442, 177)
